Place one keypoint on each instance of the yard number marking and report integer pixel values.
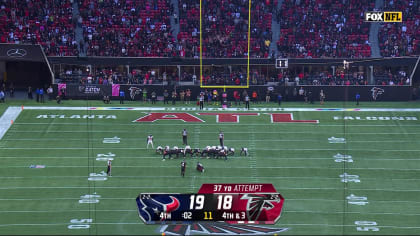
(355, 200)
(366, 226)
(88, 198)
(105, 157)
(111, 140)
(345, 178)
(80, 224)
(98, 177)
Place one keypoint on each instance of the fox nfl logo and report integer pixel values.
(282, 63)
(386, 16)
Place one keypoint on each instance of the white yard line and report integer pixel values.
(234, 167)
(218, 124)
(328, 225)
(7, 118)
(131, 199)
(77, 132)
(63, 139)
(284, 211)
(252, 154)
(158, 157)
(271, 149)
(141, 223)
(221, 109)
(202, 177)
(187, 187)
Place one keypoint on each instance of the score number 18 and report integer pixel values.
(223, 202)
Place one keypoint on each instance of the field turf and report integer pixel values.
(295, 157)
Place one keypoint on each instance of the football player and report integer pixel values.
(212, 152)
(166, 152)
(230, 151)
(188, 150)
(149, 141)
(206, 152)
(222, 153)
(176, 151)
(200, 167)
(244, 150)
(108, 170)
(183, 167)
(159, 150)
(196, 152)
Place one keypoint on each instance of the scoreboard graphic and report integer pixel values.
(231, 203)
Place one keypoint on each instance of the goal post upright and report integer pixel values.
(248, 56)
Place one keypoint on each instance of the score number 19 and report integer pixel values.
(223, 202)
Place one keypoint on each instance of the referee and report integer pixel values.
(221, 138)
(201, 99)
(247, 101)
(184, 137)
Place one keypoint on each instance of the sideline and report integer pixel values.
(220, 109)
(8, 117)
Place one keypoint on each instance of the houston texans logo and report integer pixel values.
(171, 206)
(150, 207)
(258, 202)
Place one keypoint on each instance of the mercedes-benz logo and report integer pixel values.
(16, 52)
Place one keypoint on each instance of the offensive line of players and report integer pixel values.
(210, 151)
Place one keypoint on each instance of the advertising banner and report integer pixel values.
(93, 91)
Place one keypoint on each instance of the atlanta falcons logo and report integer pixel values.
(258, 202)
(134, 91)
(150, 208)
(376, 92)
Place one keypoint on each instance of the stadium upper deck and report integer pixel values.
(307, 28)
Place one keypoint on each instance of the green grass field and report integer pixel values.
(295, 157)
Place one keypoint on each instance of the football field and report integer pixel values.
(343, 171)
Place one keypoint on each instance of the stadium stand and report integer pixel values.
(117, 75)
(225, 28)
(324, 28)
(128, 28)
(401, 39)
(309, 28)
(46, 22)
(237, 76)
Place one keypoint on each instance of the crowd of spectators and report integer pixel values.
(134, 28)
(236, 76)
(225, 28)
(324, 78)
(113, 75)
(401, 39)
(392, 78)
(324, 29)
(142, 28)
(45, 22)
(345, 78)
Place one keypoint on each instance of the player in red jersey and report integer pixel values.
(200, 167)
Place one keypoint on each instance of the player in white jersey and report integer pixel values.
(149, 141)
